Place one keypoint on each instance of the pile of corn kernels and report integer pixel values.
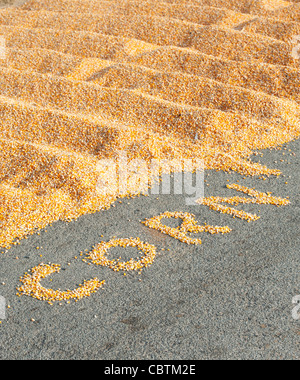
(184, 79)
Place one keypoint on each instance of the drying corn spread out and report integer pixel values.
(82, 80)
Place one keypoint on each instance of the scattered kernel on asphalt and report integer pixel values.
(32, 287)
(99, 255)
(256, 197)
(189, 224)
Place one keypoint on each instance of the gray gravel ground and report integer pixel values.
(230, 298)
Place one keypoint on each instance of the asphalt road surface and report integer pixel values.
(230, 298)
